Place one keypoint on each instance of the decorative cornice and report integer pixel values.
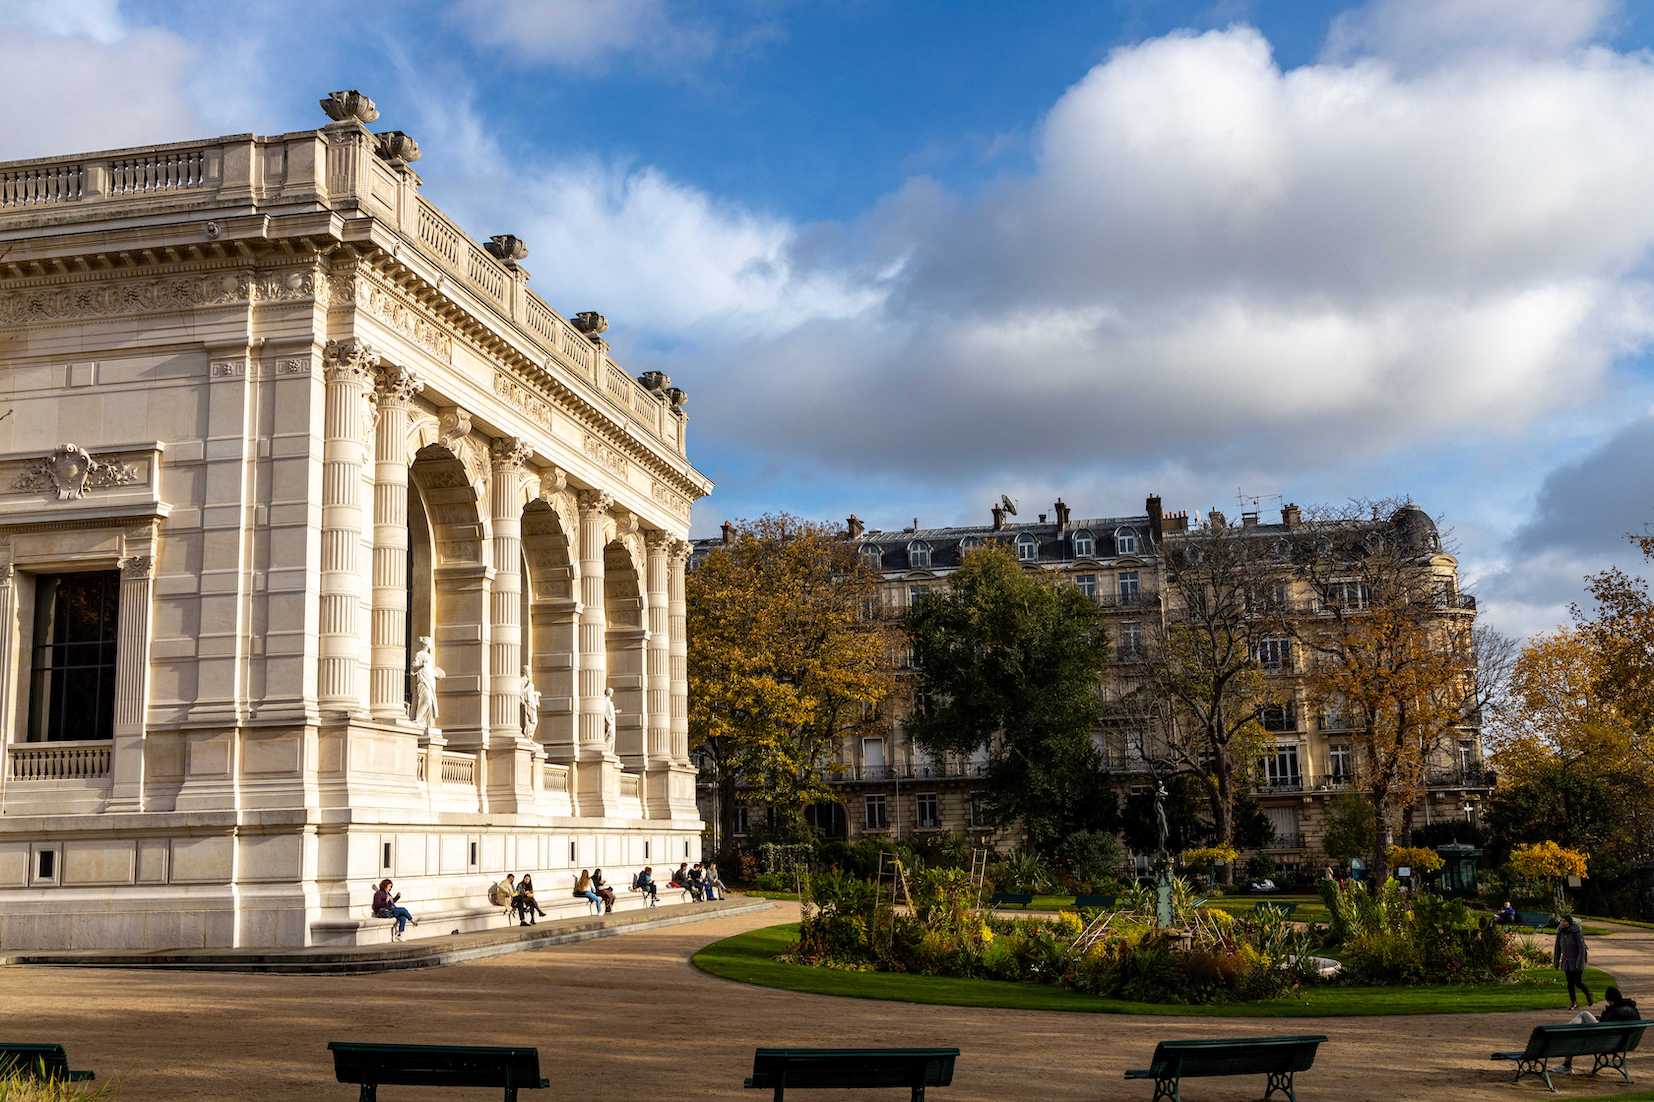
(395, 311)
(128, 297)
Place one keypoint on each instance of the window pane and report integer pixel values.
(72, 675)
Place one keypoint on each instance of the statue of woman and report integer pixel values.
(531, 704)
(426, 673)
(610, 714)
(1162, 829)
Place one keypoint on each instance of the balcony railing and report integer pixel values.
(1271, 788)
(554, 778)
(59, 761)
(1469, 777)
(1285, 841)
(845, 774)
(1147, 596)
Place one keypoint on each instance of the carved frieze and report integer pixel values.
(600, 450)
(395, 311)
(164, 294)
(523, 399)
(677, 503)
(71, 472)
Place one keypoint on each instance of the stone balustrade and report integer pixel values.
(59, 761)
(459, 769)
(554, 778)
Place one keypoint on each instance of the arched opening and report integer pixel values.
(627, 663)
(446, 596)
(551, 639)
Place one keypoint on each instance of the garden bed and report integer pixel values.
(751, 958)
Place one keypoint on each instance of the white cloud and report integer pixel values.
(99, 20)
(581, 36)
(1423, 32)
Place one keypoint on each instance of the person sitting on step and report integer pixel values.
(645, 882)
(385, 906)
(524, 902)
(604, 892)
(583, 889)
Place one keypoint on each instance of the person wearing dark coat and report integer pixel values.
(1615, 1008)
(1570, 955)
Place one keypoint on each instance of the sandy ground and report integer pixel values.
(630, 1018)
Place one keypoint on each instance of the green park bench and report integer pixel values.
(1093, 902)
(1005, 899)
(1286, 909)
(48, 1063)
(1537, 920)
(1607, 1043)
(848, 1068)
(1279, 1058)
(509, 1068)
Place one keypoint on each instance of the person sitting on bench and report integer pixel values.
(645, 883)
(604, 892)
(1506, 915)
(1616, 1008)
(384, 906)
(697, 882)
(524, 902)
(504, 894)
(583, 890)
(680, 879)
(714, 886)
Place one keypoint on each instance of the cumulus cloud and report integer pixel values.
(580, 36)
(1590, 505)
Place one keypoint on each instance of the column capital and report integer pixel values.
(395, 384)
(594, 501)
(659, 542)
(136, 567)
(681, 550)
(509, 453)
(349, 361)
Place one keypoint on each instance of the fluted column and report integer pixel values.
(505, 652)
(347, 365)
(656, 606)
(594, 658)
(126, 792)
(678, 615)
(394, 389)
(8, 636)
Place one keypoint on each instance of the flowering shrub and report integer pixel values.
(1202, 856)
(1388, 939)
(1418, 858)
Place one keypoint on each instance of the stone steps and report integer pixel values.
(427, 952)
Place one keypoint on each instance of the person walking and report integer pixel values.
(1570, 955)
(385, 906)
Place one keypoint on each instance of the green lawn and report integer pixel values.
(1634, 1096)
(750, 958)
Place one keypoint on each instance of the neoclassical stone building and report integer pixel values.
(276, 436)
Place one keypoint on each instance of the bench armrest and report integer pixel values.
(1508, 1056)
(1141, 1073)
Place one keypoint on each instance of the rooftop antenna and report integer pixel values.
(1255, 500)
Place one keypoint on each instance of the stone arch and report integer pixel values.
(451, 573)
(551, 613)
(625, 636)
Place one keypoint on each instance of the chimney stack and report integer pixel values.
(729, 531)
(1042, 518)
(1249, 520)
(999, 517)
(853, 525)
(1178, 521)
(1157, 520)
(1062, 515)
(1291, 515)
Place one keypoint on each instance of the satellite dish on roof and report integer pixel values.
(1008, 505)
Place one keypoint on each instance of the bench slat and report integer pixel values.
(851, 1068)
(437, 1065)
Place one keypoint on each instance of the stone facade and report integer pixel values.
(889, 787)
(283, 422)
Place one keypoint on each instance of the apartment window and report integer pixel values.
(1125, 541)
(915, 594)
(869, 608)
(979, 812)
(72, 678)
(1027, 548)
(1085, 544)
(1127, 586)
(873, 810)
(921, 704)
(1340, 763)
(1467, 757)
(969, 543)
(1265, 598)
(1273, 654)
(742, 826)
(1280, 717)
(907, 658)
(1131, 639)
(929, 810)
(1281, 767)
(1087, 584)
(1349, 595)
(918, 555)
(1335, 716)
(872, 753)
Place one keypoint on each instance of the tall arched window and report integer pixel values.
(918, 555)
(872, 555)
(1085, 544)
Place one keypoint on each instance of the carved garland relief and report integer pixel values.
(123, 298)
(71, 473)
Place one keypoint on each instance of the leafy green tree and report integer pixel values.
(781, 664)
(1011, 660)
(1348, 833)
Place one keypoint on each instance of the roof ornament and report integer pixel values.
(350, 106)
(591, 323)
(396, 148)
(507, 248)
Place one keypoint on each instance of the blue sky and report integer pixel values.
(906, 257)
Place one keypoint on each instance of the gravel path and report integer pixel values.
(630, 1018)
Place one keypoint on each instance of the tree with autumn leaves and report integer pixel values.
(782, 663)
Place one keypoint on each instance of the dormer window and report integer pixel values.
(1085, 544)
(871, 555)
(918, 555)
(1027, 548)
(969, 543)
(1125, 541)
